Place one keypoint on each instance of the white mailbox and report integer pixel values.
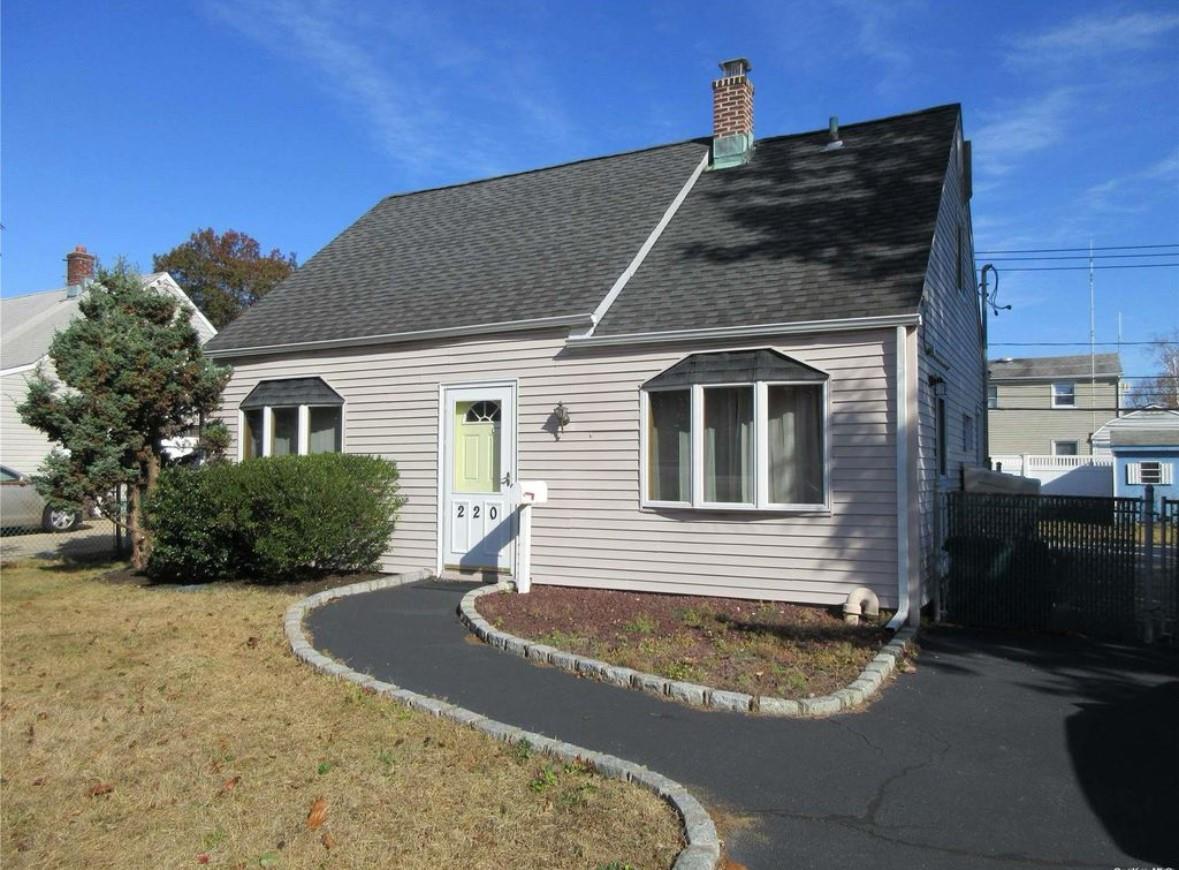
(529, 492)
(533, 492)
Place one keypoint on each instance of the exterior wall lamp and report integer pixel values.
(561, 417)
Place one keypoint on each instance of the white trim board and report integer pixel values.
(630, 270)
(754, 330)
(398, 337)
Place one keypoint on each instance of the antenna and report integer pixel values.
(1092, 349)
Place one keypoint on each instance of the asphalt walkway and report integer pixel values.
(1002, 750)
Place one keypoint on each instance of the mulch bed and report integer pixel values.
(760, 647)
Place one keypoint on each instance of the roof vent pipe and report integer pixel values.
(835, 142)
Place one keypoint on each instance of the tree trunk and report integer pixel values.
(140, 537)
(134, 536)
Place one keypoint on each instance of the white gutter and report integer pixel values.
(25, 368)
(394, 337)
(835, 325)
(902, 438)
(630, 270)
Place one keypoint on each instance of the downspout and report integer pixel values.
(902, 439)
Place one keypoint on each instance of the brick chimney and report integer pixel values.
(732, 114)
(79, 266)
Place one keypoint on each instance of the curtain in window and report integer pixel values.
(728, 444)
(669, 443)
(252, 436)
(284, 439)
(325, 431)
(795, 434)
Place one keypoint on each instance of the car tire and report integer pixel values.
(57, 520)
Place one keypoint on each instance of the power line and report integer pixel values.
(1086, 268)
(1068, 343)
(1084, 250)
(1085, 257)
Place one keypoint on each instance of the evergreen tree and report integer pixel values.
(130, 374)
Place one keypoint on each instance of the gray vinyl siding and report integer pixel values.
(593, 531)
(1026, 422)
(21, 447)
(949, 348)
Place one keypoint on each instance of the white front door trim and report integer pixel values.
(505, 389)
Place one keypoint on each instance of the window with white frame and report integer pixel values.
(1064, 448)
(1150, 472)
(294, 416)
(992, 396)
(743, 430)
(1064, 395)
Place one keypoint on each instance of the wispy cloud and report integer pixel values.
(1013, 132)
(397, 75)
(1090, 36)
(1131, 192)
(876, 37)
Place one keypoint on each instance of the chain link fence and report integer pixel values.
(30, 529)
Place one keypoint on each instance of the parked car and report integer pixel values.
(21, 506)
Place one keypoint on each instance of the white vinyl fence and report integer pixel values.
(1062, 475)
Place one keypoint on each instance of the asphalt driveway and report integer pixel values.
(1000, 751)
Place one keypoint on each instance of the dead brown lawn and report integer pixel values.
(158, 727)
(761, 647)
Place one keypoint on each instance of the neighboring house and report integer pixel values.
(1146, 457)
(28, 324)
(1145, 449)
(1050, 405)
(742, 367)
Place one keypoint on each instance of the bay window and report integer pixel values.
(669, 421)
(743, 430)
(294, 416)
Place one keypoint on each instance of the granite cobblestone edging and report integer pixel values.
(702, 851)
(868, 684)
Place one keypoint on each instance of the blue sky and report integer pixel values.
(128, 125)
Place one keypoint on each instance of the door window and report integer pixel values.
(477, 436)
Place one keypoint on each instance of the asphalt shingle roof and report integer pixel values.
(546, 243)
(284, 392)
(1077, 365)
(1145, 437)
(799, 233)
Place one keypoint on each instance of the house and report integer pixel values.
(1050, 405)
(1144, 445)
(28, 324)
(742, 366)
(1146, 457)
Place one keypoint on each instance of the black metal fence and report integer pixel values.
(1098, 566)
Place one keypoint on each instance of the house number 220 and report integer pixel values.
(492, 512)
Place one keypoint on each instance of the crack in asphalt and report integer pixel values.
(857, 824)
(868, 823)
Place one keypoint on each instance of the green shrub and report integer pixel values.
(273, 519)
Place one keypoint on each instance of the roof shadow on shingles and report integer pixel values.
(544, 243)
(800, 233)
